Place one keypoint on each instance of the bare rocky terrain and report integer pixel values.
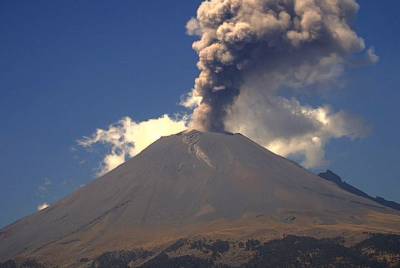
(199, 199)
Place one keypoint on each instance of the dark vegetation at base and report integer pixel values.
(294, 251)
(175, 246)
(379, 250)
(24, 264)
(217, 248)
(330, 176)
(163, 260)
(382, 248)
(119, 259)
(381, 243)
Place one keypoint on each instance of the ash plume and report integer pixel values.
(256, 57)
(281, 44)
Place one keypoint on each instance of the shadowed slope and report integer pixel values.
(330, 176)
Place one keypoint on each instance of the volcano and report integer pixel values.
(201, 199)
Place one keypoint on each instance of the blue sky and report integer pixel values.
(69, 67)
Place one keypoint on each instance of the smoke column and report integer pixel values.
(256, 57)
(264, 46)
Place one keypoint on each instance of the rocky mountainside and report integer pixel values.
(213, 191)
(330, 176)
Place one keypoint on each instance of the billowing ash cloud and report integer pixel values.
(284, 44)
(256, 57)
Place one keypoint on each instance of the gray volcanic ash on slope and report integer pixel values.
(192, 183)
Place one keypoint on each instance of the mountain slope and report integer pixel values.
(192, 183)
(330, 176)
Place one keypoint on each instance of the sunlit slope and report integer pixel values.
(187, 184)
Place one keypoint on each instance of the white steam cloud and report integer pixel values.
(42, 206)
(256, 57)
(127, 138)
(290, 129)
